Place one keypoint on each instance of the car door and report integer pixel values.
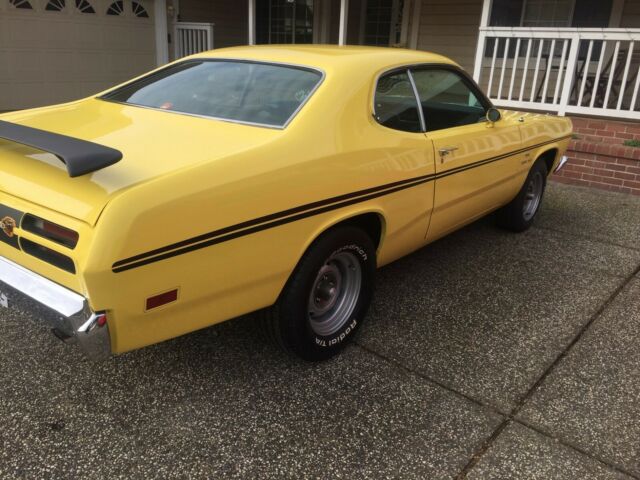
(474, 171)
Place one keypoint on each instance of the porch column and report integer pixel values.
(162, 33)
(252, 22)
(484, 23)
(344, 13)
(415, 24)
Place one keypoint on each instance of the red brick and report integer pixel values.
(603, 172)
(634, 153)
(585, 132)
(616, 167)
(597, 163)
(626, 136)
(568, 181)
(576, 161)
(619, 151)
(579, 122)
(579, 146)
(632, 184)
(631, 169)
(570, 174)
(606, 133)
(582, 156)
(579, 168)
(602, 149)
(597, 125)
(627, 161)
(626, 176)
(616, 126)
(597, 178)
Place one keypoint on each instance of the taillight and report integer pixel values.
(50, 231)
(48, 255)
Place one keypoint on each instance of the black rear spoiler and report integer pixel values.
(79, 156)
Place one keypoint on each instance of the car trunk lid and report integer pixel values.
(153, 143)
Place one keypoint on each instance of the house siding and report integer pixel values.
(450, 28)
(230, 19)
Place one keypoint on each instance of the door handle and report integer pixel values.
(444, 151)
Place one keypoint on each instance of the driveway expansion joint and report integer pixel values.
(587, 237)
(511, 417)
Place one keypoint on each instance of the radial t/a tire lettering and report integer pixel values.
(327, 296)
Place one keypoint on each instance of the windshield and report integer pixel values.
(247, 92)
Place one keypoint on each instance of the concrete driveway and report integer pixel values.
(486, 355)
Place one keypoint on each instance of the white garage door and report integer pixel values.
(53, 51)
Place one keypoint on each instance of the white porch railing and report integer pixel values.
(566, 70)
(190, 38)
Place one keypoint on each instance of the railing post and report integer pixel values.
(484, 22)
(569, 75)
(344, 16)
(251, 7)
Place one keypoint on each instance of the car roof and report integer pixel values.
(328, 57)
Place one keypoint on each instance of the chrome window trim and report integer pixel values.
(423, 125)
(484, 100)
(322, 73)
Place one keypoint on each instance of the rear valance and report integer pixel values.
(79, 156)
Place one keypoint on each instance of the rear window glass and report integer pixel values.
(247, 92)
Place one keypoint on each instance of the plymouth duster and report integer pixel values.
(274, 179)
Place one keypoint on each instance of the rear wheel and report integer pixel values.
(519, 214)
(326, 297)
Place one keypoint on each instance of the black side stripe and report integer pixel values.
(283, 221)
(294, 214)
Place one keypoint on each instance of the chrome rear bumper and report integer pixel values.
(67, 312)
(561, 163)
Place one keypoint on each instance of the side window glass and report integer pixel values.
(447, 100)
(395, 103)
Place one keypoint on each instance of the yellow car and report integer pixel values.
(273, 178)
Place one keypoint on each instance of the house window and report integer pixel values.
(116, 8)
(383, 22)
(285, 21)
(84, 6)
(55, 5)
(547, 13)
(551, 13)
(138, 10)
(22, 4)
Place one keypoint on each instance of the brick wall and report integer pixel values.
(598, 158)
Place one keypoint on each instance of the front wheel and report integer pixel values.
(326, 297)
(518, 215)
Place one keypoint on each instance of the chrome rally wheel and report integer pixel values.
(335, 293)
(518, 215)
(326, 297)
(533, 195)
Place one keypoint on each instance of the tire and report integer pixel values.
(519, 214)
(339, 269)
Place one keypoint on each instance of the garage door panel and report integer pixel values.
(20, 71)
(94, 69)
(51, 57)
(90, 36)
(22, 32)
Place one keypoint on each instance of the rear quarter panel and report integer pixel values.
(337, 150)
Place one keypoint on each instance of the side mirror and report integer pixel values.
(493, 115)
